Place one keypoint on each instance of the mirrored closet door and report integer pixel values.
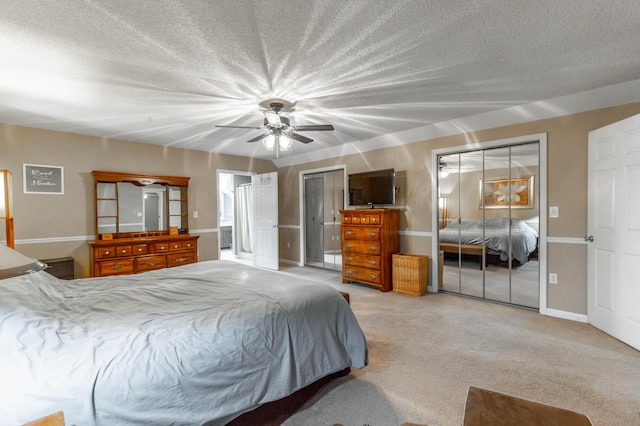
(488, 217)
(323, 199)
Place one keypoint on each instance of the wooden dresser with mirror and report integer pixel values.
(141, 223)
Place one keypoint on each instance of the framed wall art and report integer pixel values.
(41, 179)
(502, 193)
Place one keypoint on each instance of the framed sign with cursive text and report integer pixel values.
(39, 179)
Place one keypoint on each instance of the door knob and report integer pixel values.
(589, 238)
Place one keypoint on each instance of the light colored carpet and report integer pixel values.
(516, 286)
(426, 351)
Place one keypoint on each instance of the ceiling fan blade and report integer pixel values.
(314, 127)
(259, 138)
(298, 137)
(240, 127)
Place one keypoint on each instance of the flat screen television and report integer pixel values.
(373, 188)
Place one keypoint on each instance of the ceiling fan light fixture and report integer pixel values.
(285, 143)
(269, 142)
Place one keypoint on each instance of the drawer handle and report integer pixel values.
(151, 263)
(162, 247)
(349, 272)
(373, 234)
(181, 259)
(349, 259)
(348, 246)
(349, 233)
(176, 246)
(117, 267)
(373, 277)
(139, 250)
(373, 248)
(106, 252)
(124, 251)
(373, 262)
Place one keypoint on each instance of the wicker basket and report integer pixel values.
(410, 273)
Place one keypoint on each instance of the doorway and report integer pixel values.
(235, 216)
(488, 222)
(323, 195)
(153, 207)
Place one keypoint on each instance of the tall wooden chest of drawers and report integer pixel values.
(369, 238)
(132, 255)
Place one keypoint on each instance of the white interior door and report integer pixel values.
(265, 251)
(614, 223)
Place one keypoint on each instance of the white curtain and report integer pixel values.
(244, 217)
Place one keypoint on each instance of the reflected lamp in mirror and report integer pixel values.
(444, 212)
(6, 205)
(13, 264)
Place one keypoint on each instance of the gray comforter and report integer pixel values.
(519, 240)
(189, 345)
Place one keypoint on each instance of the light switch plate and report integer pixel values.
(554, 211)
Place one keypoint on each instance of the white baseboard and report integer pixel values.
(567, 315)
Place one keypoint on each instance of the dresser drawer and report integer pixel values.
(105, 252)
(148, 263)
(114, 267)
(162, 247)
(175, 246)
(139, 249)
(363, 247)
(189, 245)
(362, 274)
(122, 251)
(361, 233)
(178, 259)
(371, 262)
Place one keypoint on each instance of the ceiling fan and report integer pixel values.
(279, 133)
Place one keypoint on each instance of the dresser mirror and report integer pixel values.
(132, 205)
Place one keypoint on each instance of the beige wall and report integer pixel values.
(567, 148)
(55, 226)
(50, 226)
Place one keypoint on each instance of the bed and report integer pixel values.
(494, 236)
(196, 344)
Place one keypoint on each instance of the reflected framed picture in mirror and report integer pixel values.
(516, 193)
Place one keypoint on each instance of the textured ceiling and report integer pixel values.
(167, 72)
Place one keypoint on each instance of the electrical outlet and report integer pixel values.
(195, 214)
(553, 278)
(288, 244)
